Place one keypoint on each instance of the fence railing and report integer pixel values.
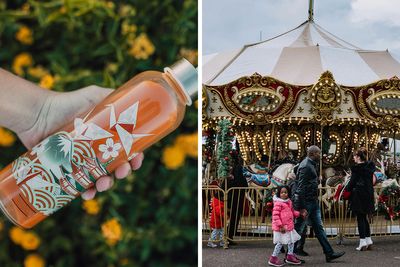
(246, 215)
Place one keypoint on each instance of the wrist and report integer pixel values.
(21, 102)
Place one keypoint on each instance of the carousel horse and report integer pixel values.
(279, 177)
(260, 178)
(333, 181)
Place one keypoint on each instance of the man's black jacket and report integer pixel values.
(307, 187)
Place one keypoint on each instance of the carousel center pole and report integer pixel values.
(264, 200)
(320, 158)
(394, 147)
(270, 144)
(366, 141)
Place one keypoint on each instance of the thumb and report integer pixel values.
(94, 94)
(90, 96)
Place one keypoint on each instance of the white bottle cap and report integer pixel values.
(186, 76)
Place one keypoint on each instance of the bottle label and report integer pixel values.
(64, 165)
(56, 171)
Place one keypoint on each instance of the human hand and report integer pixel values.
(282, 229)
(59, 108)
(303, 213)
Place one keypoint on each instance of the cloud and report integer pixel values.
(374, 11)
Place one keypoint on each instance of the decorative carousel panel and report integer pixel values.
(215, 105)
(379, 102)
(325, 97)
(384, 103)
(256, 98)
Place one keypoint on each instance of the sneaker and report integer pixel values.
(275, 261)
(291, 259)
(211, 245)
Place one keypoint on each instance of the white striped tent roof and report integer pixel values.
(299, 56)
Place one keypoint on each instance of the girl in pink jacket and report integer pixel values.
(283, 216)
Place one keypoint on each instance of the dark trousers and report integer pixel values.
(234, 223)
(363, 225)
(236, 210)
(302, 241)
(314, 217)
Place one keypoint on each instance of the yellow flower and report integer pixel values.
(30, 241)
(20, 61)
(111, 231)
(37, 72)
(173, 157)
(112, 67)
(47, 81)
(110, 5)
(63, 10)
(124, 261)
(6, 138)
(91, 207)
(24, 35)
(34, 260)
(128, 28)
(16, 235)
(141, 47)
(127, 10)
(26, 7)
(188, 143)
(190, 54)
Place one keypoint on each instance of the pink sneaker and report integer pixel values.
(291, 259)
(275, 261)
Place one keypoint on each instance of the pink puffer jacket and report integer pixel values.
(283, 214)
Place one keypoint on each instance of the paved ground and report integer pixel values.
(386, 252)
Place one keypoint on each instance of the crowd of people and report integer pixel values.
(296, 206)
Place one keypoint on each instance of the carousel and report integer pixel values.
(305, 87)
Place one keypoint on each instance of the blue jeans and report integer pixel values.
(314, 217)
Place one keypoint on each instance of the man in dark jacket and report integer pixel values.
(306, 201)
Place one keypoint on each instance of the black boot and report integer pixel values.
(334, 255)
(301, 252)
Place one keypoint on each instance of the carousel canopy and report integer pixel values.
(299, 56)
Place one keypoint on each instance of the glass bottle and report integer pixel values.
(62, 166)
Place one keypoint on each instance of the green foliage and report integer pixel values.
(82, 43)
(224, 150)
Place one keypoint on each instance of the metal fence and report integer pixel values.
(246, 215)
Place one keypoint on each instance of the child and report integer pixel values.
(283, 226)
(216, 220)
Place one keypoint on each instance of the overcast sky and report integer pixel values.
(368, 24)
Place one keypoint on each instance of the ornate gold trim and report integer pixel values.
(325, 97)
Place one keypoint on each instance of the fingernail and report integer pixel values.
(104, 184)
(138, 162)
